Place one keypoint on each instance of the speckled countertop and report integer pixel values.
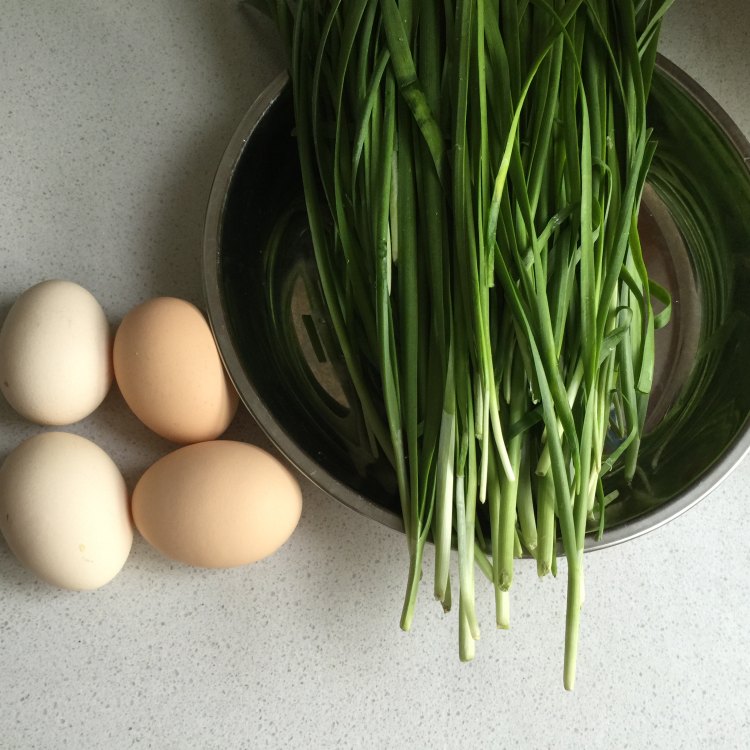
(113, 117)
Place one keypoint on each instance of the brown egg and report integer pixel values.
(217, 504)
(170, 372)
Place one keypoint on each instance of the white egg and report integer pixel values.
(55, 354)
(64, 510)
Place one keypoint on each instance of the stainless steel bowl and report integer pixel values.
(702, 158)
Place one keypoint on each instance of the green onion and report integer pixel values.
(472, 173)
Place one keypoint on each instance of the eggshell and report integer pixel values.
(170, 373)
(55, 354)
(64, 510)
(217, 504)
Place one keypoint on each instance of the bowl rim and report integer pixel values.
(306, 464)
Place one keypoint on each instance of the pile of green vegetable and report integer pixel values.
(473, 171)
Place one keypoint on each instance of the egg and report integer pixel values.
(217, 504)
(55, 354)
(170, 373)
(64, 510)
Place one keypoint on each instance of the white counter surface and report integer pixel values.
(113, 118)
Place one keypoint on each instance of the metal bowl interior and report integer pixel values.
(702, 158)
